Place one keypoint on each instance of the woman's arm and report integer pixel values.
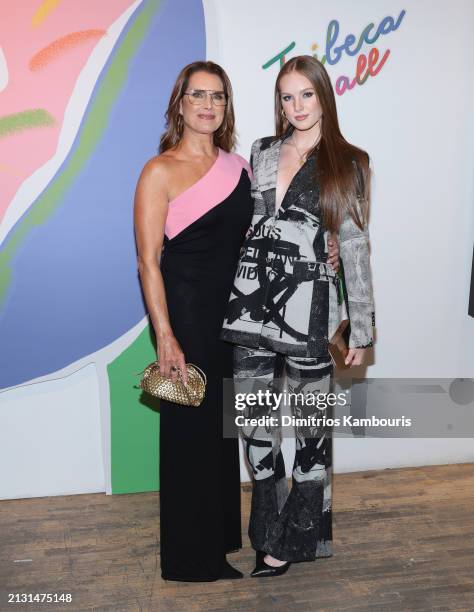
(333, 251)
(355, 255)
(150, 211)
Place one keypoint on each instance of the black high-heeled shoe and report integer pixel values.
(263, 570)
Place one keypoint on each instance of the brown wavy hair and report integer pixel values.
(342, 168)
(224, 137)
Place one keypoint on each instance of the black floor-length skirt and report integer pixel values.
(199, 469)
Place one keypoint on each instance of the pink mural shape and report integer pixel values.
(45, 46)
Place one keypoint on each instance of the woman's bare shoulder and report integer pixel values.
(157, 174)
(159, 166)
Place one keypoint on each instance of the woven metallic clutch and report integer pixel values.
(191, 394)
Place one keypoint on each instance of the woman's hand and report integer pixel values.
(355, 357)
(171, 358)
(333, 252)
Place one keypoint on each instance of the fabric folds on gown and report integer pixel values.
(199, 469)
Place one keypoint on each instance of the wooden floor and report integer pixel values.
(403, 540)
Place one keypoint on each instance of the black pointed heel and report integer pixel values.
(263, 570)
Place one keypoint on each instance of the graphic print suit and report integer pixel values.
(286, 297)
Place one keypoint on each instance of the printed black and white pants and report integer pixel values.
(296, 525)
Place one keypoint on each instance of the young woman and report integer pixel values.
(287, 303)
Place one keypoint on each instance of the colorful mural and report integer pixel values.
(83, 91)
(45, 46)
(69, 282)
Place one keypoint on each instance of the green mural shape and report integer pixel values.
(18, 122)
(135, 420)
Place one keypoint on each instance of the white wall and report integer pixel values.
(415, 120)
(36, 461)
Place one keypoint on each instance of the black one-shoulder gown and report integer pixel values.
(199, 469)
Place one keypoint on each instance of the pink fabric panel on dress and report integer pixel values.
(244, 164)
(212, 189)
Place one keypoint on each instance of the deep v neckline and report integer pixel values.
(276, 210)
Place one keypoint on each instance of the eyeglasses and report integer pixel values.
(199, 96)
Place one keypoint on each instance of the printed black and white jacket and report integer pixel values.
(286, 297)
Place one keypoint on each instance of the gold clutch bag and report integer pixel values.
(191, 394)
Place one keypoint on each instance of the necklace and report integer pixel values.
(303, 157)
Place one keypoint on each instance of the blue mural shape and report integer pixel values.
(75, 285)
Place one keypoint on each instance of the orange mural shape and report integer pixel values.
(60, 46)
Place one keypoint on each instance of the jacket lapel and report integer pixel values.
(302, 182)
(302, 188)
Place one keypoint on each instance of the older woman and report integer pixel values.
(193, 200)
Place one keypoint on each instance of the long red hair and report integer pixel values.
(343, 169)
